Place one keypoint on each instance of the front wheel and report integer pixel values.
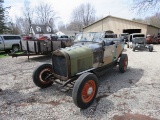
(123, 63)
(85, 90)
(41, 76)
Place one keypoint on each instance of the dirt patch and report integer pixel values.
(128, 116)
(135, 91)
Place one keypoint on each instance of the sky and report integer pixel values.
(64, 8)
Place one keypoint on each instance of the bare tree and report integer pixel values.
(45, 14)
(154, 20)
(151, 20)
(83, 16)
(61, 26)
(23, 25)
(13, 28)
(139, 20)
(75, 26)
(28, 17)
(146, 5)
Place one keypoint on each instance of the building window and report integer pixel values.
(38, 29)
(48, 29)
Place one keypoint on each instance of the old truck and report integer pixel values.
(80, 65)
(152, 39)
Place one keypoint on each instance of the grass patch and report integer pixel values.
(18, 52)
(3, 54)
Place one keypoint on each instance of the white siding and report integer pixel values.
(117, 25)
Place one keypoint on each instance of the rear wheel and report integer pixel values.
(15, 48)
(150, 49)
(85, 90)
(123, 63)
(133, 49)
(41, 76)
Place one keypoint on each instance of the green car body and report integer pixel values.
(77, 59)
(85, 56)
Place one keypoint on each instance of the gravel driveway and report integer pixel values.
(134, 94)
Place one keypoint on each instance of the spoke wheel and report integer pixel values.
(15, 48)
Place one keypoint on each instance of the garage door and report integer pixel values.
(130, 31)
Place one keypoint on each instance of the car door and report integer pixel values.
(109, 54)
(1, 44)
(8, 41)
(119, 49)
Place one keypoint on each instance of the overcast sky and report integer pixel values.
(64, 8)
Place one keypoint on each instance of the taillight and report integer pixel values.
(27, 38)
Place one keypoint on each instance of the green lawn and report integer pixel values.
(3, 54)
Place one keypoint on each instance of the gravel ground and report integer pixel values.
(132, 95)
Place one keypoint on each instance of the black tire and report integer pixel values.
(39, 75)
(123, 63)
(15, 48)
(86, 83)
(127, 46)
(133, 49)
(150, 49)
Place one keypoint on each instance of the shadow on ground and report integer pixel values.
(40, 58)
(109, 84)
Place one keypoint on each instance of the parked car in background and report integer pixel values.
(131, 36)
(79, 66)
(152, 39)
(10, 42)
(124, 36)
(139, 43)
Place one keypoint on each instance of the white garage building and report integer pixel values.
(120, 25)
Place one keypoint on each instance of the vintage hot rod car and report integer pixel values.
(132, 36)
(141, 44)
(81, 64)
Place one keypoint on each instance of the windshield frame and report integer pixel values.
(90, 37)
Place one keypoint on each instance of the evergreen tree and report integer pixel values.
(3, 27)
